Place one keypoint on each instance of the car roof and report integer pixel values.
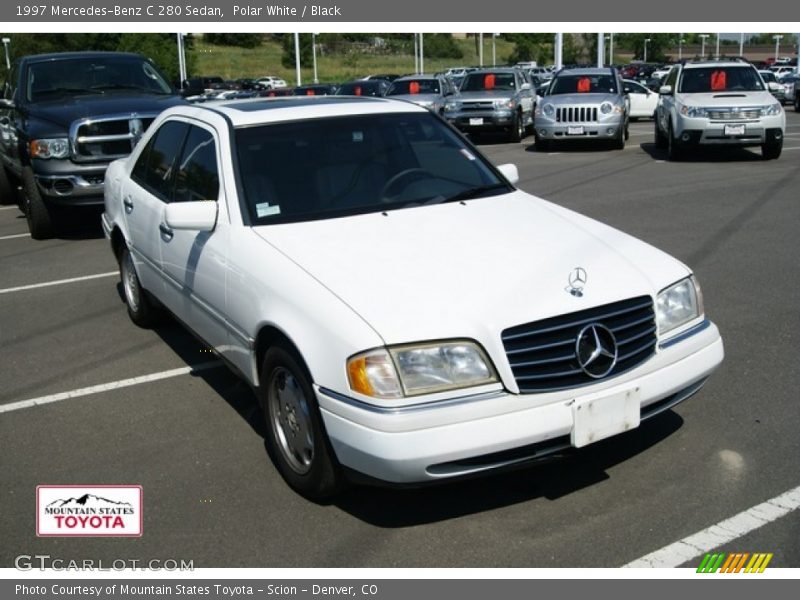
(588, 71)
(718, 63)
(257, 111)
(73, 55)
(420, 77)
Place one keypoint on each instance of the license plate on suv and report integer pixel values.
(575, 131)
(734, 129)
(476, 121)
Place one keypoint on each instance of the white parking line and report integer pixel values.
(8, 207)
(721, 533)
(104, 387)
(57, 282)
(16, 235)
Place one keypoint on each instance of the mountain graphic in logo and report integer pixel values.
(87, 500)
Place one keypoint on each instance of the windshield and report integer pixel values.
(415, 86)
(97, 75)
(720, 79)
(479, 82)
(583, 84)
(324, 168)
(768, 76)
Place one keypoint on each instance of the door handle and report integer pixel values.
(128, 204)
(166, 232)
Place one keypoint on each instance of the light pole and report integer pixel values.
(494, 49)
(416, 54)
(680, 49)
(646, 41)
(741, 45)
(421, 53)
(314, 54)
(601, 50)
(480, 49)
(703, 37)
(559, 51)
(297, 58)
(716, 54)
(608, 43)
(6, 42)
(181, 58)
(777, 37)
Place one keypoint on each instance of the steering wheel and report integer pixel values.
(410, 174)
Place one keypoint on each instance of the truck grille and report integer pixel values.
(734, 114)
(576, 114)
(107, 138)
(543, 354)
(487, 106)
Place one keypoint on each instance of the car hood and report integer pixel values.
(63, 111)
(486, 95)
(470, 269)
(416, 98)
(726, 99)
(592, 99)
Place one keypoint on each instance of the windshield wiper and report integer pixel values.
(122, 86)
(469, 193)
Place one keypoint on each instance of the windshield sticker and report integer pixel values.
(358, 136)
(263, 209)
(467, 154)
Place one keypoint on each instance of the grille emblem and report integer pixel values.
(596, 349)
(577, 281)
(136, 129)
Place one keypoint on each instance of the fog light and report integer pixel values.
(686, 137)
(543, 132)
(610, 131)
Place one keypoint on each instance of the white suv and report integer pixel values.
(721, 102)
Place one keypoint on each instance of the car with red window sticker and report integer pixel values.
(718, 103)
(428, 91)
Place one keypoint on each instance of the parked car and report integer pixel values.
(775, 88)
(718, 103)
(270, 82)
(386, 76)
(303, 242)
(791, 83)
(642, 101)
(587, 104)
(364, 87)
(276, 92)
(316, 89)
(429, 91)
(500, 99)
(63, 118)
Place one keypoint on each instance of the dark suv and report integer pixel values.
(63, 118)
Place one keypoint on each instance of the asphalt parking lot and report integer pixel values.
(194, 440)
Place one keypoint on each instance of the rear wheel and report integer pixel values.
(296, 437)
(37, 212)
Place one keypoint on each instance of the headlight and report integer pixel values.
(678, 304)
(419, 369)
(771, 110)
(504, 104)
(606, 107)
(452, 106)
(49, 148)
(549, 110)
(694, 112)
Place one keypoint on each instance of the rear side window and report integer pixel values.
(197, 176)
(155, 167)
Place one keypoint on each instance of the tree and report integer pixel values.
(287, 57)
(659, 42)
(242, 40)
(441, 45)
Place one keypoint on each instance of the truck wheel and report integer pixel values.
(140, 308)
(772, 150)
(517, 129)
(8, 195)
(674, 148)
(296, 438)
(37, 212)
(660, 140)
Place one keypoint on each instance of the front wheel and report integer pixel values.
(296, 437)
(37, 212)
(660, 139)
(674, 147)
(772, 150)
(517, 131)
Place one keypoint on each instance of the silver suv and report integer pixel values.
(583, 104)
(494, 99)
(718, 103)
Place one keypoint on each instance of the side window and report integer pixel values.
(10, 87)
(672, 78)
(155, 167)
(197, 176)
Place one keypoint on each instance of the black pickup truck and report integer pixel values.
(63, 118)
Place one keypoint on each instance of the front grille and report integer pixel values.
(731, 114)
(543, 355)
(108, 139)
(576, 114)
(478, 106)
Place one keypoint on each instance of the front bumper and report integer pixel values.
(481, 120)
(67, 183)
(547, 129)
(498, 429)
(703, 131)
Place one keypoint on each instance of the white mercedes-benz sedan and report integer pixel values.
(403, 312)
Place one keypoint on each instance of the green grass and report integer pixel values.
(232, 63)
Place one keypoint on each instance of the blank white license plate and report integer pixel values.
(574, 130)
(476, 121)
(599, 416)
(734, 129)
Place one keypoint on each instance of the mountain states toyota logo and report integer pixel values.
(93, 511)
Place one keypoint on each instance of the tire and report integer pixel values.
(8, 194)
(674, 148)
(296, 438)
(771, 151)
(517, 129)
(660, 139)
(619, 141)
(37, 212)
(797, 103)
(141, 309)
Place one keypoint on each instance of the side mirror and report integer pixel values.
(510, 172)
(665, 90)
(7, 104)
(200, 215)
